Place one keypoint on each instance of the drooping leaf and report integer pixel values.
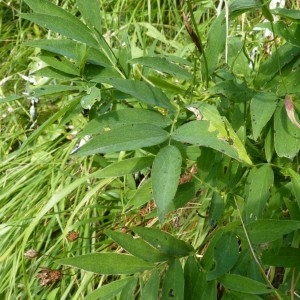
(286, 134)
(107, 263)
(201, 133)
(243, 284)
(127, 137)
(262, 107)
(142, 91)
(109, 290)
(163, 65)
(165, 178)
(122, 117)
(259, 181)
(291, 14)
(65, 26)
(287, 257)
(164, 242)
(137, 247)
(173, 285)
(263, 231)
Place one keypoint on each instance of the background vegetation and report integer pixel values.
(149, 149)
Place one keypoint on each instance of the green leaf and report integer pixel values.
(65, 26)
(243, 284)
(263, 231)
(259, 183)
(287, 257)
(165, 178)
(216, 209)
(125, 167)
(295, 184)
(91, 13)
(93, 95)
(268, 69)
(59, 63)
(215, 43)
(142, 91)
(69, 48)
(291, 14)
(227, 246)
(262, 107)
(127, 137)
(290, 32)
(173, 285)
(109, 290)
(151, 289)
(125, 116)
(137, 247)
(201, 133)
(107, 263)
(286, 134)
(163, 65)
(54, 89)
(238, 7)
(164, 242)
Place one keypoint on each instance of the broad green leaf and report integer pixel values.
(109, 290)
(173, 285)
(142, 91)
(286, 134)
(233, 295)
(137, 247)
(287, 257)
(125, 116)
(165, 175)
(150, 290)
(53, 89)
(290, 82)
(163, 65)
(238, 7)
(262, 107)
(10, 98)
(128, 292)
(226, 247)
(125, 167)
(291, 14)
(263, 231)
(64, 26)
(295, 184)
(164, 242)
(268, 69)
(54, 74)
(259, 183)
(203, 133)
(215, 44)
(91, 13)
(107, 263)
(194, 280)
(243, 284)
(69, 48)
(59, 63)
(290, 32)
(127, 137)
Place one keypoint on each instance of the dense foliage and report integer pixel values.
(150, 150)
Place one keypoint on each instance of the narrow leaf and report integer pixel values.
(137, 247)
(128, 137)
(142, 91)
(163, 241)
(287, 257)
(165, 179)
(263, 231)
(295, 184)
(151, 289)
(109, 290)
(243, 284)
(107, 263)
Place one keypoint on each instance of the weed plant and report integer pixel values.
(148, 151)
